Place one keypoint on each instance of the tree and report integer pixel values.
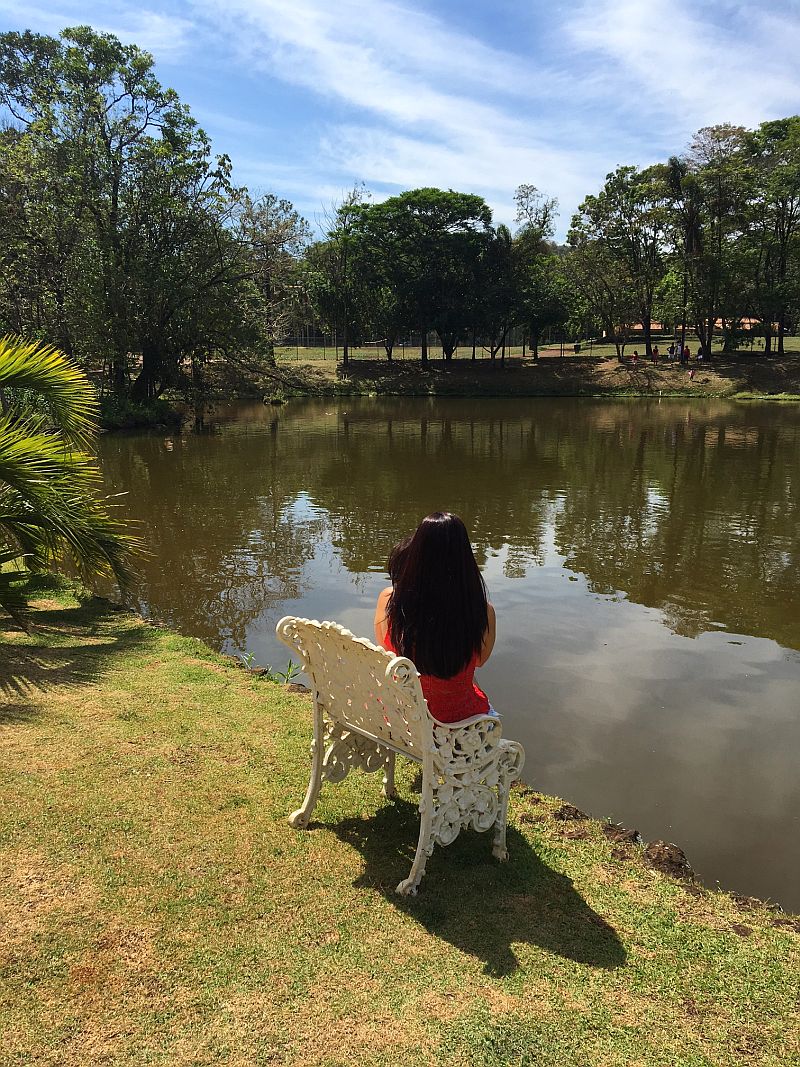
(334, 283)
(494, 301)
(50, 502)
(274, 236)
(125, 215)
(773, 230)
(538, 282)
(629, 218)
(605, 285)
(706, 194)
(429, 244)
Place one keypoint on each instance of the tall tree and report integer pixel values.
(773, 237)
(538, 282)
(430, 243)
(113, 189)
(629, 217)
(706, 190)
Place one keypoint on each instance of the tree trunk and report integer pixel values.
(535, 344)
(781, 331)
(473, 346)
(424, 346)
(647, 327)
(144, 388)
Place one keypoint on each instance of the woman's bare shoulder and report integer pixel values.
(384, 594)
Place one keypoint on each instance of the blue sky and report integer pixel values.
(309, 96)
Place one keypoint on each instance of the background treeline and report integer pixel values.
(125, 242)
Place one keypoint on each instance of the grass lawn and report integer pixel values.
(156, 907)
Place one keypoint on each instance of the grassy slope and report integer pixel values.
(156, 908)
(745, 376)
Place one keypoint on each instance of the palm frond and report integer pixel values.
(61, 384)
(51, 502)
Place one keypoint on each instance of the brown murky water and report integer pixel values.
(643, 557)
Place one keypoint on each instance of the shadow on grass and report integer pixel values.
(69, 647)
(477, 904)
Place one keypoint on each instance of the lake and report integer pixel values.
(643, 557)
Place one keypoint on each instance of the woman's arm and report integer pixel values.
(488, 637)
(381, 618)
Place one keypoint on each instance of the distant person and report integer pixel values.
(691, 375)
(686, 354)
(436, 613)
(635, 357)
(671, 352)
(655, 354)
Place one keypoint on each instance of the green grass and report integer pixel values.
(156, 908)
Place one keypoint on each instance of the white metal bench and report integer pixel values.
(368, 706)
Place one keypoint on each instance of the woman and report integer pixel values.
(436, 613)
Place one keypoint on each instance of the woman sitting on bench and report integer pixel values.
(436, 613)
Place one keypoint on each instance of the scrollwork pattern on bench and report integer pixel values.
(368, 706)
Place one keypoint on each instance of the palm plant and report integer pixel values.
(51, 502)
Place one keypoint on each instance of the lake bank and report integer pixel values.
(733, 377)
(158, 908)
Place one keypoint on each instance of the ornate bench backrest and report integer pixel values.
(360, 685)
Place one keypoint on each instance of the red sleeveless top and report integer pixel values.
(451, 699)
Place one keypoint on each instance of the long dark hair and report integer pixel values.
(437, 611)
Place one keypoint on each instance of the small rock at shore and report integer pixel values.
(297, 687)
(621, 835)
(568, 813)
(668, 858)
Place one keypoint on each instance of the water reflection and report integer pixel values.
(643, 558)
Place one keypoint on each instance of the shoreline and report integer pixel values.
(741, 378)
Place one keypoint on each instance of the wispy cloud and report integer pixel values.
(436, 106)
(165, 35)
(688, 65)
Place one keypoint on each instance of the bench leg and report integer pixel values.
(499, 850)
(408, 887)
(388, 776)
(300, 819)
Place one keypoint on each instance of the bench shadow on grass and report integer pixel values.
(69, 647)
(477, 904)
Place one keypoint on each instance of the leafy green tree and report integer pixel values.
(429, 244)
(494, 301)
(629, 217)
(604, 284)
(126, 217)
(773, 230)
(274, 237)
(335, 284)
(538, 280)
(50, 501)
(706, 190)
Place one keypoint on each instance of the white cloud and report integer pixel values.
(167, 36)
(693, 65)
(442, 108)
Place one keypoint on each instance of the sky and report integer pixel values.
(308, 97)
